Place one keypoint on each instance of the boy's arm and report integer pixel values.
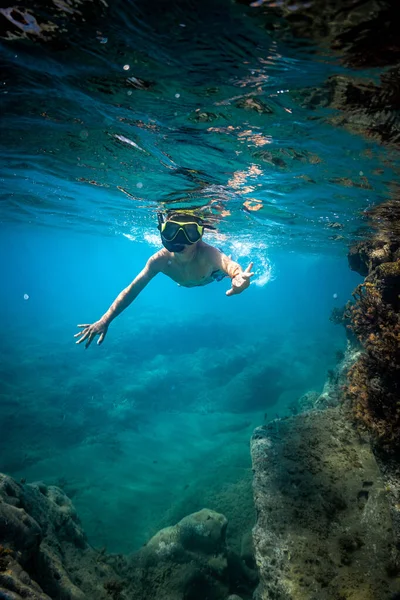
(132, 291)
(240, 278)
(121, 302)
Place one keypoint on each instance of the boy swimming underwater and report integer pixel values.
(185, 258)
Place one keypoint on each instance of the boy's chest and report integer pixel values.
(196, 272)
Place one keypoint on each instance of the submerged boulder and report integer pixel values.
(190, 561)
(324, 528)
(44, 555)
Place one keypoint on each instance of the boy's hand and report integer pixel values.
(89, 332)
(241, 281)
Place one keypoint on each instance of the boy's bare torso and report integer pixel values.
(202, 267)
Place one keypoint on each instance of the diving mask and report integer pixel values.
(191, 231)
(177, 235)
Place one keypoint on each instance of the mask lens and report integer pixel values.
(170, 230)
(192, 232)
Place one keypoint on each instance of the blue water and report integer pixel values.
(155, 423)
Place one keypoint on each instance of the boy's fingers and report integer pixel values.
(249, 268)
(90, 340)
(229, 292)
(83, 338)
(86, 325)
(101, 338)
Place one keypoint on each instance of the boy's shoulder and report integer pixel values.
(208, 249)
(158, 260)
(211, 255)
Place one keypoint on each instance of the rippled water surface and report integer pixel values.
(186, 104)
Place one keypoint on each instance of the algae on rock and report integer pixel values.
(324, 528)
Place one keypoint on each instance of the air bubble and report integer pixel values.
(177, 95)
(126, 67)
(26, 297)
(139, 184)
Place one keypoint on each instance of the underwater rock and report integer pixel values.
(368, 254)
(372, 390)
(15, 583)
(332, 393)
(190, 561)
(373, 386)
(203, 532)
(44, 555)
(324, 528)
(43, 550)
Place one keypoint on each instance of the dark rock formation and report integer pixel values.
(373, 389)
(324, 528)
(44, 555)
(44, 552)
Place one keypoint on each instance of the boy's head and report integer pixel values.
(183, 217)
(180, 230)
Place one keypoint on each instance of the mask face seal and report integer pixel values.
(172, 246)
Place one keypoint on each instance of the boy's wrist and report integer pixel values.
(237, 270)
